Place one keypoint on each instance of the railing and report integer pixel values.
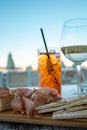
(31, 78)
(69, 76)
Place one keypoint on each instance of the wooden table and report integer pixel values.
(13, 121)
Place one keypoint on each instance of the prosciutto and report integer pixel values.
(17, 104)
(45, 95)
(28, 105)
(25, 100)
(22, 92)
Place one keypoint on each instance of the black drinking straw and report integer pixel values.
(51, 66)
(45, 43)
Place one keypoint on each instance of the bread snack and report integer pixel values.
(5, 99)
(70, 108)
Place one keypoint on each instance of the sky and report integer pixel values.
(20, 23)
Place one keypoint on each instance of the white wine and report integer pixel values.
(77, 54)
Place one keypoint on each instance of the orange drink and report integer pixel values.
(49, 69)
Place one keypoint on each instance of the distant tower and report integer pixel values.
(10, 62)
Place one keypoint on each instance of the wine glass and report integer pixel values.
(74, 42)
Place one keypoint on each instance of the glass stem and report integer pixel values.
(78, 76)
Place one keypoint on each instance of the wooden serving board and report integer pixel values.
(10, 116)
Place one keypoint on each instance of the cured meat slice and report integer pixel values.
(22, 92)
(25, 100)
(29, 106)
(17, 104)
(45, 95)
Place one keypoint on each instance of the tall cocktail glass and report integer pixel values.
(49, 68)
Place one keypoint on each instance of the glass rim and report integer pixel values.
(76, 22)
(49, 49)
